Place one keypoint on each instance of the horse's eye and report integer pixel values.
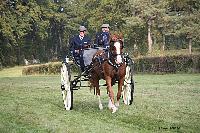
(114, 48)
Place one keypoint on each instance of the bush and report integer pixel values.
(168, 64)
(48, 68)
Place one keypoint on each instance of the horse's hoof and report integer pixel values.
(114, 109)
(110, 104)
(100, 106)
(117, 104)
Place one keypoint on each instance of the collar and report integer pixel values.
(81, 36)
(116, 66)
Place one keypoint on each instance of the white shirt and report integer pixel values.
(81, 37)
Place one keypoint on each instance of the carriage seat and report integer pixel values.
(89, 53)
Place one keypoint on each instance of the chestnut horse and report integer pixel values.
(110, 66)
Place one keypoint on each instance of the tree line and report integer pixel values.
(40, 29)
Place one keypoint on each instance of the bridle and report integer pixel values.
(112, 56)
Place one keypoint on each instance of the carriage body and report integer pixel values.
(69, 83)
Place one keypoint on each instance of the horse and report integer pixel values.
(110, 66)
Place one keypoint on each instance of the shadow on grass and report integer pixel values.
(134, 120)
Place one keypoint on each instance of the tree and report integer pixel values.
(186, 22)
(43, 28)
(148, 12)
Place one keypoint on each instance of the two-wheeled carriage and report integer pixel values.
(69, 83)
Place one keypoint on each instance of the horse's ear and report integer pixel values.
(120, 36)
(113, 38)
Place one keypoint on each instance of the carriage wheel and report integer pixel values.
(128, 88)
(67, 91)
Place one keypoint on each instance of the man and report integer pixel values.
(102, 38)
(77, 44)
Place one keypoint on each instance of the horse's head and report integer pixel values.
(116, 48)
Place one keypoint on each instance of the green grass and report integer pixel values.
(34, 104)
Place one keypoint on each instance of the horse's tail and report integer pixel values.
(91, 85)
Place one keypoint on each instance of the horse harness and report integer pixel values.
(108, 56)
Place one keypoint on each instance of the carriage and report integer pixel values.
(71, 83)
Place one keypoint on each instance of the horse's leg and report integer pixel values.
(120, 84)
(111, 104)
(98, 94)
(99, 98)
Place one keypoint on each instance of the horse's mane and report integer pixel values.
(116, 37)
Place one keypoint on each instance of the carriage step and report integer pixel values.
(77, 81)
(78, 87)
(85, 86)
(76, 76)
(86, 79)
(104, 85)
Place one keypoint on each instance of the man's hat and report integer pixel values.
(105, 26)
(82, 28)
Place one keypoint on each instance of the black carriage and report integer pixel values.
(69, 83)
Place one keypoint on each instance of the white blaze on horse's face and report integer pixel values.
(119, 57)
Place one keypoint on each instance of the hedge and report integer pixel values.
(166, 64)
(48, 68)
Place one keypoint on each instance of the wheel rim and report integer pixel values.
(127, 88)
(65, 80)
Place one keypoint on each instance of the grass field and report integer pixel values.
(11, 72)
(162, 103)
